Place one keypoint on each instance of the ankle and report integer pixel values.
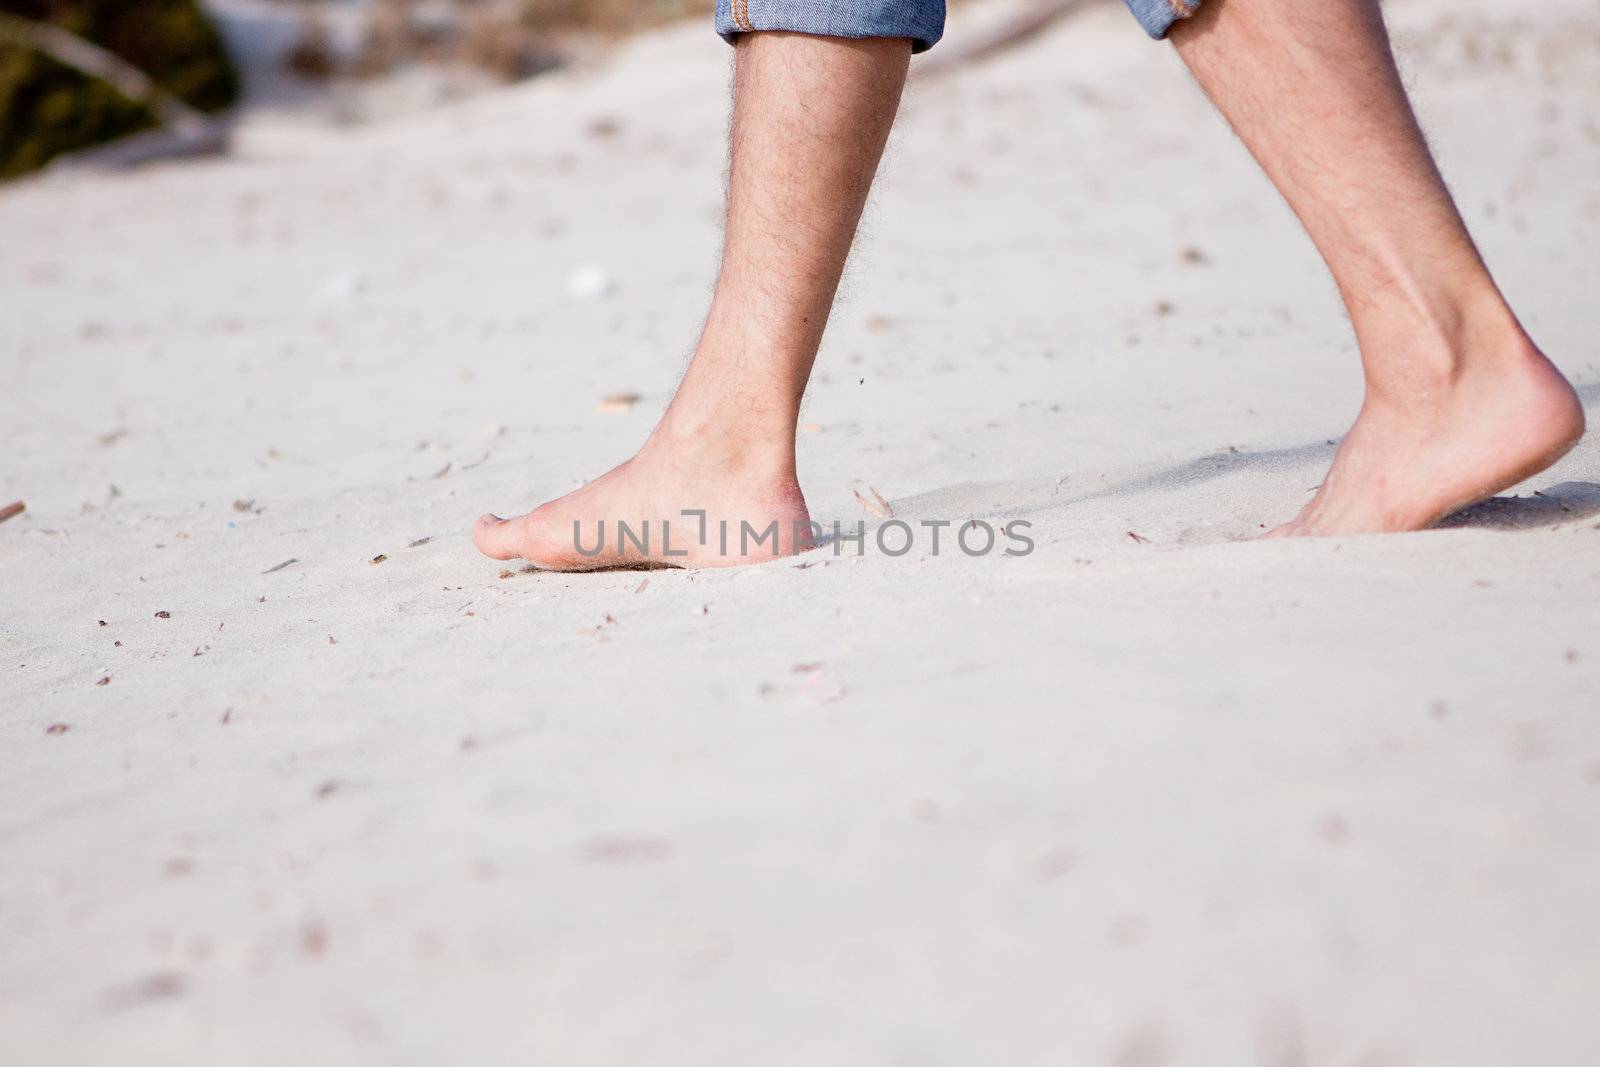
(1436, 346)
(748, 444)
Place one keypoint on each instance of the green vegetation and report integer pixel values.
(47, 108)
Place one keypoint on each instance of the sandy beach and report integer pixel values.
(290, 773)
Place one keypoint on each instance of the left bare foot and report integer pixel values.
(1418, 453)
(744, 506)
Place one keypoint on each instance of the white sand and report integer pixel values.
(1192, 801)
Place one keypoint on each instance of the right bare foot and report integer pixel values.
(752, 505)
(1443, 442)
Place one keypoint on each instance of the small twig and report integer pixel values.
(874, 504)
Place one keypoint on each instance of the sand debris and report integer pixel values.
(379, 558)
(163, 614)
(57, 728)
(876, 505)
(279, 567)
(616, 403)
(163, 985)
(419, 542)
(1137, 539)
(625, 849)
(12, 510)
(314, 939)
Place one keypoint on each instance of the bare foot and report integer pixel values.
(647, 512)
(1419, 453)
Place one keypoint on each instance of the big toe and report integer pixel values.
(499, 538)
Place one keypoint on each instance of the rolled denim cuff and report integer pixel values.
(920, 20)
(1157, 16)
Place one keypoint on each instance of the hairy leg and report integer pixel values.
(1459, 403)
(810, 119)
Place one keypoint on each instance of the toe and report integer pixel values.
(499, 538)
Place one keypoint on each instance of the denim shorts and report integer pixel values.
(920, 20)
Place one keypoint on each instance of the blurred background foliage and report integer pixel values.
(47, 108)
(508, 39)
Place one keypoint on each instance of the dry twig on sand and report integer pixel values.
(875, 504)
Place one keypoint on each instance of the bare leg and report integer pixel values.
(1459, 402)
(810, 119)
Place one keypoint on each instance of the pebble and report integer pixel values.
(590, 283)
